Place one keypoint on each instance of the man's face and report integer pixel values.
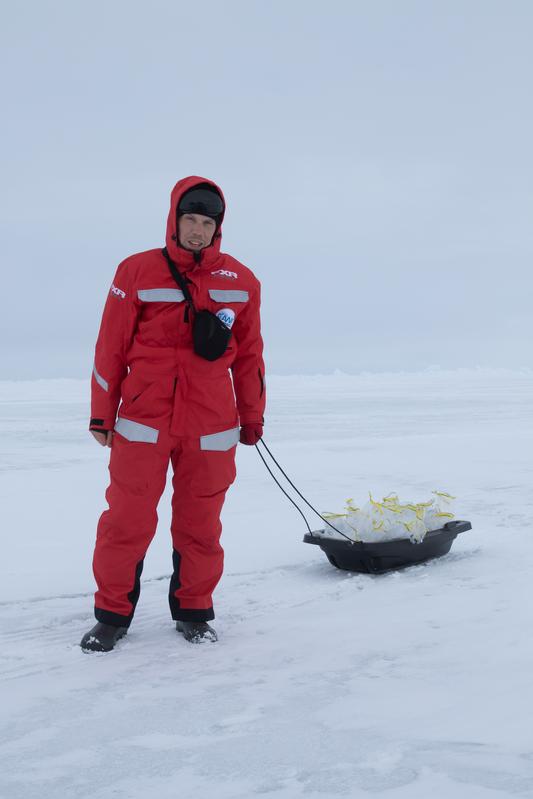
(195, 231)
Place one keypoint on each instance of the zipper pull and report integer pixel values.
(186, 315)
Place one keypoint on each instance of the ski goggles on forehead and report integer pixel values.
(201, 201)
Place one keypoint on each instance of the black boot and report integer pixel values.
(196, 631)
(102, 637)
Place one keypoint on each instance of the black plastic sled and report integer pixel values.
(369, 558)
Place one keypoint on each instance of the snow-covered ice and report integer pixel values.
(323, 683)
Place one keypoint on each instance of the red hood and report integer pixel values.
(184, 258)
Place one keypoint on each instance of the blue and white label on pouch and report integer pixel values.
(227, 316)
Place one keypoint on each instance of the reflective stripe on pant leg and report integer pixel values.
(135, 431)
(220, 442)
(201, 479)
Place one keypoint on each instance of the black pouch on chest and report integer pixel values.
(209, 333)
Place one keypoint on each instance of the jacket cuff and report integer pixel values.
(251, 419)
(98, 423)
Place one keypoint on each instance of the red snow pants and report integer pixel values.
(201, 477)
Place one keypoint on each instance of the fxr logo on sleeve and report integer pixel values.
(225, 273)
(118, 292)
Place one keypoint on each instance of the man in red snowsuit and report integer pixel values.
(173, 405)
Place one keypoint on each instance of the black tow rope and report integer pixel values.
(261, 441)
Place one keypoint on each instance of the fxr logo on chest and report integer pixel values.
(225, 273)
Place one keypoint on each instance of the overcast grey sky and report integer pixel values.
(376, 158)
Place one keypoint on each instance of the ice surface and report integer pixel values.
(322, 683)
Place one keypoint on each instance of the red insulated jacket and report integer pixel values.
(144, 352)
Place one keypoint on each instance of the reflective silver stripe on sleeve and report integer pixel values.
(220, 441)
(100, 380)
(160, 295)
(135, 431)
(228, 295)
